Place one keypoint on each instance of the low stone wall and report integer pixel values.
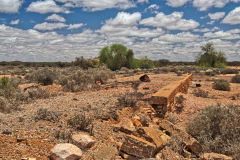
(164, 98)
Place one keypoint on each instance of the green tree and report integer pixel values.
(211, 57)
(146, 63)
(117, 56)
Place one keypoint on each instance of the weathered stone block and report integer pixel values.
(138, 147)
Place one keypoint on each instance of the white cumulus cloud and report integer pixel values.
(75, 26)
(233, 17)
(14, 22)
(10, 6)
(216, 16)
(49, 26)
(176, 3)
(98, 5)
(46, 6)
(56, 18)
(172, 21)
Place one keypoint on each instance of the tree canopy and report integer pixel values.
(211, 57)
(117, 56)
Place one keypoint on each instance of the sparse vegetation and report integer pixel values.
(217, 129)
(221, 84)
(82, 80)
(236, 79)
(179, 103)
(42, 76)
(44, 114)
(80, 122)
(229, 71)
(129, 99)
(200, 93)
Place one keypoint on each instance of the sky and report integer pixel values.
(61, 30)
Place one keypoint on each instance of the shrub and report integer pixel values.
(200, 93)
(83, 63)
(129, 99)
(43, 76)
(221, 84)
(4, 106)
(179, 103)
(229, 71)
(172, 117)
(80, 122)
(236, 79)
(217, 129)
(44, 114)
(82, 80)
(37, 93)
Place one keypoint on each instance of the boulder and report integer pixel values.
(145, 78)
(65, 151)
(138, 147)
(189, 141)
(215, 156)
(83, 140)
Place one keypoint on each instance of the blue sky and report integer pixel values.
(60, 30)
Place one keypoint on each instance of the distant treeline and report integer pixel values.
(90, 63)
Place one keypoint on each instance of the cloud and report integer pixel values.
(10, 6)
(222, 35)
(49, 26)
(176, 3)
(153, 8)
(233, 17)
(216, 16)
(46, 6)
(142, 1)
(75, 26)
(98, 5)
(173, 21)
(125, 19)
(14, 22)
(204, 5)
(56, 18)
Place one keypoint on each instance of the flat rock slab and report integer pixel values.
(65, 151)
(155, 135)
(138, 147)
(83, 140)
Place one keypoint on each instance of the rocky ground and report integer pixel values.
(23, 134)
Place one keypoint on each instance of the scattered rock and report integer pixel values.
(198, 85)
(28, 159)
(145, 78)
(189, 141)
(83, 140)
(167, 153)
(155, 135)
(7, 132)
(215, 156)
(138, 147)
(65, 151)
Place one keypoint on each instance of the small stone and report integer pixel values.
(83, 140)
(65, 151)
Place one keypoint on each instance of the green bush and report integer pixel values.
(146, 63)
(221, 84)
(211, 57)
(44, 76)
(236, 79)
(217, 129)
(83, 63)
